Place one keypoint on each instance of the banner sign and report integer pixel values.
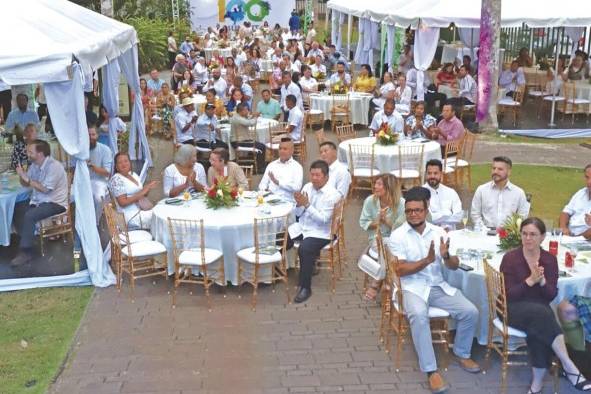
(206, 13)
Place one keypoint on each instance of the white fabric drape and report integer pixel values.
(349, 28)
(426, 40)
(574, 33)
(390, 39)
(339, 42)
(65, 101)
(111, 74)
(470, 37)
(334, 28)
(129, 66)
(359, 56)
(367, 41)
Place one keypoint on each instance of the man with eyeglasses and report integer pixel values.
(422, 251)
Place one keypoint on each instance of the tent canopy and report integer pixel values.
(466, 13)
(42, 37)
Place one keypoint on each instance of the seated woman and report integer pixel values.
(576, 324)
(235, 99)
(103, 127)
(446, 76)
(365, 82)
(165, 98)
(577, 70)
(384, 209)
(385, 92)
(524, 60)
(419, 124)
(130, 194)
(188, 82)
(225, 170)
(185, 174)
(19, 155)
(531, 276)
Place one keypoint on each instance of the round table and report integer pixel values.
(473, 283)
(262, 132)
(386, 157)
(358, 103)
(11, 192)
(224, 52)
(226, 229)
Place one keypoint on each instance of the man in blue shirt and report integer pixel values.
(155, 83)
(19, 117)
(186, 45)
(294, 22)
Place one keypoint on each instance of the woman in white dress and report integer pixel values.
(402, 95)
(386, 91)
(185, 174)
(130, 194)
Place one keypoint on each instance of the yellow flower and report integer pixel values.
(381, 134)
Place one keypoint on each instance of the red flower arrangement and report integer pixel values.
(221, 195)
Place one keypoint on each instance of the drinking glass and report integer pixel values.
(465, 218)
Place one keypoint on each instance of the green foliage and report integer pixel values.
(509, 234)
(221, 196)
(152, 34)
(37, 327)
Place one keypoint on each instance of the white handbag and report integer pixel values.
(374, 268)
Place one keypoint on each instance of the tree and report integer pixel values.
(488, 64)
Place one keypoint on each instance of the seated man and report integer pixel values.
(295, 119)
(314, 206)
(338, 176)
(497, 200)
(422, 252)
(512, 78)
(445, 205)
(206, 130)
(318, 69)
(340, 80)
(185, 120)
(268, 107)
(217, 83)
(155, 83)
(47, 177)
(100, 166)
(19, 149)
(387, 115)
(575, 218)
(467, 91)
(19, 117)
(575, 320)
(450, 128)
(283, 176)
(289, 87)
(240, 134)
(218, 103)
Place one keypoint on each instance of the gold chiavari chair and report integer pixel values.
(248, 154)
(410, 164)
(266, 261)
(300, 151)
(58, 225)
(573, 103)
(330, 255)
(248, 171)
(362, 167)
(340, 110)
(512, 104)
(276, 132)
(450, 155)
(463, 162)
(193, 261)
(345, 132)
(394, 317)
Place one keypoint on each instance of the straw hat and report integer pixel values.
(187, 101)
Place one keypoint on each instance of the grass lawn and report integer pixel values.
(551, 187)
(518, 139)
(36, 329)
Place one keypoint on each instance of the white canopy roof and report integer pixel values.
(39, 39)
(466, 13)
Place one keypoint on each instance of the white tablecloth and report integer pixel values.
(224, 52)
(473, 283)
(358, 102)
(386, 157)
(11, 192)
(262, 132)
(226, 229)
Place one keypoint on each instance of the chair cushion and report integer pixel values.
(193, 256)
(509, 102)
(315, 112)
(248, 149)
(373, 253)
(272, 146)
(405, 173)
(365, 172)
(578, 101)
(202, 149)
(144, 249)
(449, 168)
(136, 236)
(555, 98)
(249, 256)
(512, 331)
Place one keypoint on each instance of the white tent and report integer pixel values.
(58, 43)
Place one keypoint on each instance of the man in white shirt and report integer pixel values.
(311, 35)
(207, 131)
(307, 82)
(217, 82)
(497, 200)
(422, 252)
(100, 166)
(467, 90)
(315, 50)
(340, 77)
(387, 115)
(318, 69)
(285, 175)
(295, 119)
(575, 218)
(287, 88)
(200, 72)
(339, 176)
(402, 95)
(445, 205)
(314, 207)
(512, 78)
(185, 120)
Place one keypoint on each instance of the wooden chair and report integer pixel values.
(300, 151)
(512, 104)
(137, 259)
(497, 324)
(362, 167)
(340, 110)
(276, 132)
(463, 162)
(393, 318)
(58, 225)
(345, 132)
(248, 171)
(193, 261)
(315, 117)
(573, 103)
(535, 90)
(266, 261)
(377, 255)
(450, 155)
(410, 164)
(248, 154)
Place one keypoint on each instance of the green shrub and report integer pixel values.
(152, 34)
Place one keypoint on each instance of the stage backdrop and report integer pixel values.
(207, 13)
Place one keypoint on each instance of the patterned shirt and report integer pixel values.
(19, 154)
(428, 121)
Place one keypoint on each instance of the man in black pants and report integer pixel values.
(314, 206)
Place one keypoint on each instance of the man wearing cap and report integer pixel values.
(206, 130)
(185, 120)
(218, 83)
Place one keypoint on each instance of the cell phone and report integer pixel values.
(465, 267)
(563, 274)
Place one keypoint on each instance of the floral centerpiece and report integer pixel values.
(338, 88)
(223, 44)
(213, 64)
(319, 76)
(385, 135)
(510, 233)
(221, 195)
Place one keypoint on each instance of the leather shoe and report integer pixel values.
(437, 384)
(468, 365)
(20, 259)
(302, 295)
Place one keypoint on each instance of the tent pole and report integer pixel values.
(349, 26)
(558, 42)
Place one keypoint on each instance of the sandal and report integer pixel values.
(580, 383)
(371, 293)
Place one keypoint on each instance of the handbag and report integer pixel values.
(374, 268)
(144, 204)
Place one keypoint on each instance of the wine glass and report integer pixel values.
(240, 191)
(186, 197)
(465, 218)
